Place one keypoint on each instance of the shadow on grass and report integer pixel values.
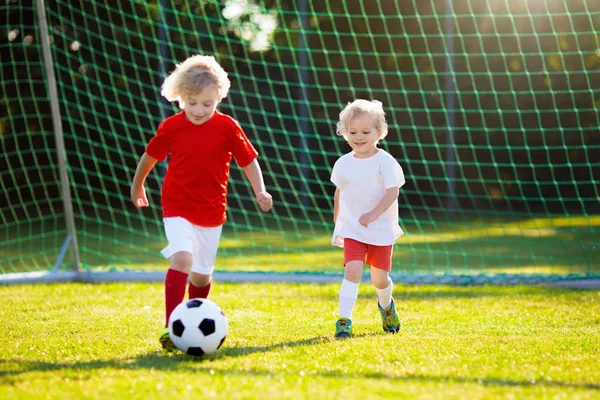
(242, 351)
(182, 363)
(156, 359)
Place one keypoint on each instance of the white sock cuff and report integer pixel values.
(349, 289)
(387, 290)
(390, 286)
(385, 295)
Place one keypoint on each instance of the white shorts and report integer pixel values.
(201, 242)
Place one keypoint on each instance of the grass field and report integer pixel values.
(77, 341)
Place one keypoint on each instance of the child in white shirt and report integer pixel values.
(367, 181)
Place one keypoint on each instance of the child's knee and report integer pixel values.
(181, 261)
(353, 271)
(200, 280)
(380, 278)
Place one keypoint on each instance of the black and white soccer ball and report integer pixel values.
(197, 327)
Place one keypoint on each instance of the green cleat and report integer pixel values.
(389, 317)
(165, 341)
(343, 328)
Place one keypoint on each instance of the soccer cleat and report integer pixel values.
(165, 341)
(389, 317)
(343, 328)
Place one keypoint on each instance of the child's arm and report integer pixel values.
(390, 195)
(336, 204)
(138, 193)
(254, 176)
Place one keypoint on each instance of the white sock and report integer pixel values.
(348, 295)
(385, 295)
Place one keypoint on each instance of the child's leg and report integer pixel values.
(175, 281)
(380, 260)
(387, 308)
(179, 232)
(349, 288)
(383, 286)
(206, 244)
(199, 285)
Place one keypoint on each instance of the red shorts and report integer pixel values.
(379, 257)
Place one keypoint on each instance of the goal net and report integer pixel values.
(493, 112)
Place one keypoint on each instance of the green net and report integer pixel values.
(492, 106)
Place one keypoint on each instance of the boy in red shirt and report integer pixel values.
(201, 142)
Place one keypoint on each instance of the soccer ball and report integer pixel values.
(198, 327)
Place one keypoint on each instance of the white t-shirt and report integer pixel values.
(362, 183)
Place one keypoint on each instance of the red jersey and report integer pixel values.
(195, 185)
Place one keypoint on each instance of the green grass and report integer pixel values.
(76, 341)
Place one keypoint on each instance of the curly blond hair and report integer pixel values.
(359, 107)
(193, 75)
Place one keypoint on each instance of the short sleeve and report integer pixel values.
(393, 174)
(334, 174)
(242, 150)
(159, 146)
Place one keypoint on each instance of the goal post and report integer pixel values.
(70, 242)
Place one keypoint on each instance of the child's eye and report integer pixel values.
(351, 133)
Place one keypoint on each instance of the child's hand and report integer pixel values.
(138, 197)
(265, 201)
(367, 218)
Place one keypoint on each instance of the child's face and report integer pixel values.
(200, 107)
(363, 135)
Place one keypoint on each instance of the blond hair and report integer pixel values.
(360, 107)
(194, 75)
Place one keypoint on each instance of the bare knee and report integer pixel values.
(353, 271)
(380, 278)
(181, 261)
(200, 280)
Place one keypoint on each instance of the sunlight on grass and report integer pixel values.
(534, 228)
(562, 222)
(469, 234)
(530, 269)
(100, 341)
(541, 245)
(275, 239)
(318, 261)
